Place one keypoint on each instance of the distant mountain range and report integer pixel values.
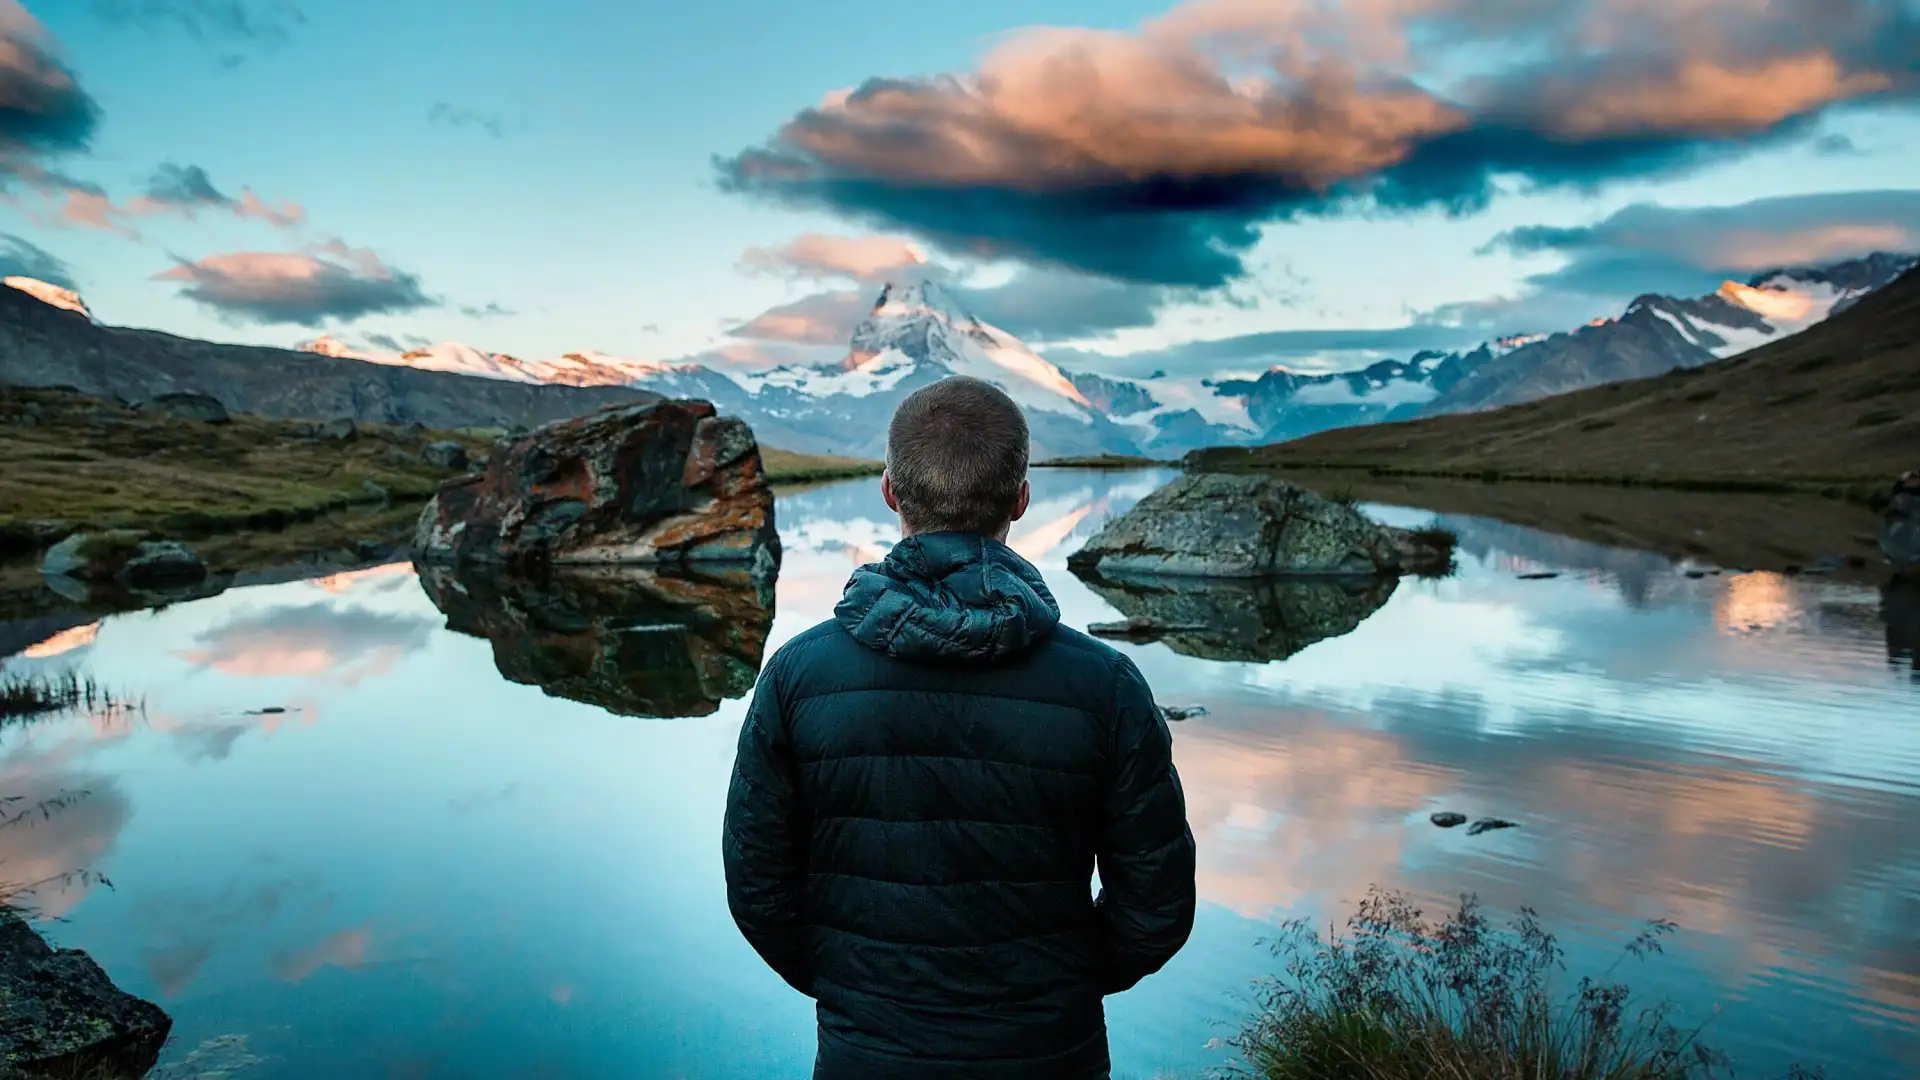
(917, 334)
(1833, 406)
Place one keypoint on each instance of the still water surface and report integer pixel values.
(423, 869)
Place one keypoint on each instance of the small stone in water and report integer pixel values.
(1447, 819)
(1696, 574)
(1546, 576)
(1488, 824)
(1177, 713)
(271, 710)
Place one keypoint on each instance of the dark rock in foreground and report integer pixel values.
(60, 1016)
(630, 641)
(1448, 819)
(1244, 620)
(668, 483)
(1249, 526)
(1900, 527)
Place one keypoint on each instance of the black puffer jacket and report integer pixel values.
(923, 789)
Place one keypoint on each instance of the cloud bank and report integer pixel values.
(43, 110)
(22, 257)
(308, 288)
(1156, 156)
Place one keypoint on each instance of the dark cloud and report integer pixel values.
(308, 288)
(43, 109)
(19, 256)
(489, 310)
(1051, 305)
(187, 189)
(262, 22)
(1836, 145)
(386, 342)
(448, 115)
(1157, 156)
(1688, 250)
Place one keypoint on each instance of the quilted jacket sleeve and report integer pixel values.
(763, 845)
(1146, 853)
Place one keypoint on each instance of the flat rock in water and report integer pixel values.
(1545, 575)
(667, 483)
(1248, 526)
(60, 1016)
(1448, 819)
(1489, 824)
(1141, 628)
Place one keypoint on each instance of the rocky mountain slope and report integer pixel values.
(47, 342)
(1657, 334)
(1838, 403)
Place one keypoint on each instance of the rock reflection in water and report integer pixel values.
(631, 641)
(1251, 620)
(1900, 608)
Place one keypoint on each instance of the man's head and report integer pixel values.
(957, 459)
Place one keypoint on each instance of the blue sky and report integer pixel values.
(538, 178)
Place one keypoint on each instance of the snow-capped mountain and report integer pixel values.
(65, 299)
(1657, 334)
(916, 334)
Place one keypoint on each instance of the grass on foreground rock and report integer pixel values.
(1398, 997)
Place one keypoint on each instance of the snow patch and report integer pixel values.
(47, 293)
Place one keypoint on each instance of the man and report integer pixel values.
(926, 782)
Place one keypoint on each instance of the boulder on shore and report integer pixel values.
(1900, 527)
(61, 1016)
(667, 483)
(445, 455)
(123, 557)
(189, 405)
(1234, 525)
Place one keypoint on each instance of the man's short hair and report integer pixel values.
(957, 455)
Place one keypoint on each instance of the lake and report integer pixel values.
(425, 864)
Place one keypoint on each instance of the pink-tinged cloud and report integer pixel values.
(42, 106)
(187, 190)
(1157, 155)
(867, 259)
(827, 318)
(346, 950)
(307, 288)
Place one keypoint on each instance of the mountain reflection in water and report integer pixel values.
(343, 829)
(634, 642)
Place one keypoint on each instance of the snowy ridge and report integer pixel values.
(47, 293)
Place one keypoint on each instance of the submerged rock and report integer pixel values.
(631, 641)
(1141, 628)
(1543, 575)
(668, 483)
(1448, 819)
(1249, 526)
(60, 1016)
(1489, 824)
(1243, 620)
(1900, 525)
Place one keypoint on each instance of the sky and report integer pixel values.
(1210, 186)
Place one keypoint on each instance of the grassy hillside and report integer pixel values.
(787, 467)
(1838, 404)
(69, 462)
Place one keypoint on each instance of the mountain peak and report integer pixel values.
(910, 299)
(48, 293)
(327, 345)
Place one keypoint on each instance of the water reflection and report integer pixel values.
(1248, 621)
(421, 868)
(633, 642)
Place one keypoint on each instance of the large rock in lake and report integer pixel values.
(1900, 528)
(634, 642)
(665, 483)
(1249, 526)
(60, 1016)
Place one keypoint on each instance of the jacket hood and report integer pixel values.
(945, 597)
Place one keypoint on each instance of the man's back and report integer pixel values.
(924, 788)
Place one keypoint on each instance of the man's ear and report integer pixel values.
(886, 492)
(1020, 504)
